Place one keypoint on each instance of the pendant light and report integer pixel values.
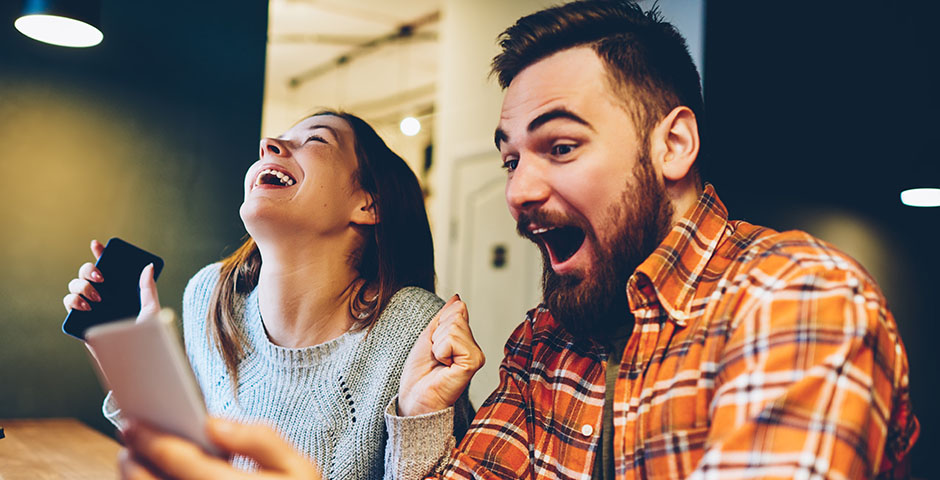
(68, 23)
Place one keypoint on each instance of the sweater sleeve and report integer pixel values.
(112, 411)
(198, 288)
(417, 444)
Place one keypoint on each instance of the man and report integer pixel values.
(672, 342)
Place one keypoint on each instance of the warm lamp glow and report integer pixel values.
(410, 126)
(60, 31)
(921, 197)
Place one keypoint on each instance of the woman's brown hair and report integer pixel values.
(396, 252)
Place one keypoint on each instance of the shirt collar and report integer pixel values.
(674, 269)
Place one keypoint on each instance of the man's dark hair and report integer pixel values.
(647, 60)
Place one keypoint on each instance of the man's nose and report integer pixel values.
(527, 188)
(272, 146)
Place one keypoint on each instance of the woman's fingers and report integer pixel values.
(80, 293)
(452, 340)
(149, 300)
(89, 272)
(96, 249)
(75, 302)
(131, 470)
(162, 455)
(84, 288)
(456, 347)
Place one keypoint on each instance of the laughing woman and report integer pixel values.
(307, 325)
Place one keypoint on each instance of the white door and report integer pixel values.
(495, 271)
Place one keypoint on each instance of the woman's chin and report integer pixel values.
(259, 220)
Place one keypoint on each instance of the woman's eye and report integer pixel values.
(316, 138)
(562, 149)
(510, 164)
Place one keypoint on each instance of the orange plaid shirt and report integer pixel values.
(754, 354)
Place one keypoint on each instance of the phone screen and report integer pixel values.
(120, 265)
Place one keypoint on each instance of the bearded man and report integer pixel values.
(672, 341)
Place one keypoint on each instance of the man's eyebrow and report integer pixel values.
(556, 114)
(501, 136)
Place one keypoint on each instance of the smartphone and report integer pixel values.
(144, 366)
(120, 264)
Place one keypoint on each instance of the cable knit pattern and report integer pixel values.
(328, 400)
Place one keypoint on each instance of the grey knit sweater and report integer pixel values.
(328, 400)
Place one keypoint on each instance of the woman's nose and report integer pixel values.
(271, 146)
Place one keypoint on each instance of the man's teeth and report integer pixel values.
(284, 178)
(539, 231)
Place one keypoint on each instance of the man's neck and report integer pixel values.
(683, 195)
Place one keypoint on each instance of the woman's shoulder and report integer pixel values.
(197, 293)
(410, 307)
(202, 283)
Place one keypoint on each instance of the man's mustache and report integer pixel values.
(549, 219)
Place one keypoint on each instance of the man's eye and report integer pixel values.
(511, 164)
(562, 149)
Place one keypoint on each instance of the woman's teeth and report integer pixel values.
(264, 177)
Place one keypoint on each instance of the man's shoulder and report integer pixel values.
(777, 257)
(804, 251)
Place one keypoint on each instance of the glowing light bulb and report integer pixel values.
(921, 197)
(410, 126)
(62, 31)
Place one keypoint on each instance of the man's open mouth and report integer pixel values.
(270, 176)
(562, 242)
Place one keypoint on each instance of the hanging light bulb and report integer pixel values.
(410, 126)
(67, 23)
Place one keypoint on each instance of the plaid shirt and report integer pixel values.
(754, 354)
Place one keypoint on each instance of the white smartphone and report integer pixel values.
(149, 376)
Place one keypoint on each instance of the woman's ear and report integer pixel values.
(365, 214)
(676, 143)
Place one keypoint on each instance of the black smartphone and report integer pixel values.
(120, 264)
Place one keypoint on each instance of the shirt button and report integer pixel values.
(587, 430)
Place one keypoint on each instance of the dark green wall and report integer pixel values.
(147, 137)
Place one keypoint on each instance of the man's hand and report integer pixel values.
(441, 363)
(152, 455)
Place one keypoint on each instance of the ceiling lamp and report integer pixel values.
(921, 197)
(68, 23)
(410, 126)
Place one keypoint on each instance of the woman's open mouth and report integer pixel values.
(272, 177)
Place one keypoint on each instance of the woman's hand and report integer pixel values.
(83, 294)
(441, 363)
(151, 454)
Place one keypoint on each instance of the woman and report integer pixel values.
(308, 324)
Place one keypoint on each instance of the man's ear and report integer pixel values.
(365, 214)
(675, 143)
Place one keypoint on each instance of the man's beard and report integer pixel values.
(594, 303)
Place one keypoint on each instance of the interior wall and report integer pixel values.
(145, 137)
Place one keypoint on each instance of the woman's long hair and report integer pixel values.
(396, 252)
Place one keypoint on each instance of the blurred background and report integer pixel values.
(818, 116)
